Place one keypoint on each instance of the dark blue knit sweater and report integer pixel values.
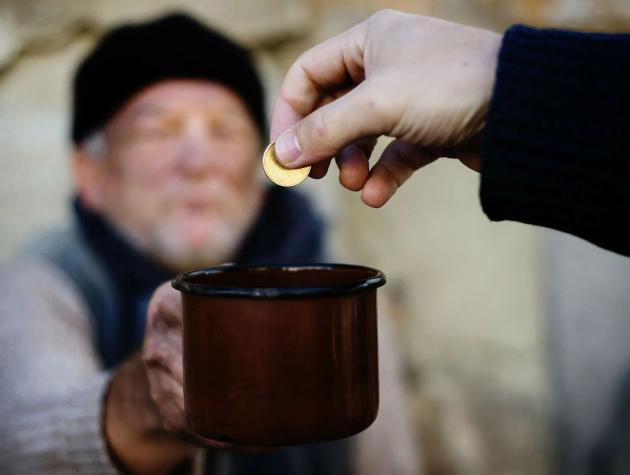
(556, 149)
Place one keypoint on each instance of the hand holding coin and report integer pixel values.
(425, 82)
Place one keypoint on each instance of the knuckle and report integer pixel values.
(318, 129)
(382, 14)
(155, 306)
(301, 59)
(148, 356)
(314, 135)
(162, 358)
(164, 309)
(174, 424)
(161, 400)
(153, 356)
(384, 109)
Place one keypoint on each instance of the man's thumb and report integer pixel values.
(323, 133)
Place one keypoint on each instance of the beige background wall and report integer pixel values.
(469, 294)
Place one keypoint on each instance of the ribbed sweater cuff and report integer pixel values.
(556, 148)
(64, 435)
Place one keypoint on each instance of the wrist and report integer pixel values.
(490, 59)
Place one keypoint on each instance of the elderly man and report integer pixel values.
(168, 126)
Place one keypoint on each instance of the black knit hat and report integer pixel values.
(131, 57)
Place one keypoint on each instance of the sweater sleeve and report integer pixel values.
(51, 384)
(556, 149)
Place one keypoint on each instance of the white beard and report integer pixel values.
(185, 246)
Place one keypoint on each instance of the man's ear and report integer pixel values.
(88, 178)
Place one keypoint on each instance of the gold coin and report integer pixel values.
(278, 173)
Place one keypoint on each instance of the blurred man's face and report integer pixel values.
(180, 173)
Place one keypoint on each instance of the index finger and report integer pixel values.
(317, 73)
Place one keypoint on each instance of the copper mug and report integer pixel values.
(280, 355)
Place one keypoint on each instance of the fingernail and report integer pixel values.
(287, 148)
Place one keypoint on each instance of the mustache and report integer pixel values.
(211, 191)
(218, 195)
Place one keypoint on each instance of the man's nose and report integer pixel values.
(198, 153)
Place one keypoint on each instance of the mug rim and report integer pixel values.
(181, 282)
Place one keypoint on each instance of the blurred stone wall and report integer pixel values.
(470, 296)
